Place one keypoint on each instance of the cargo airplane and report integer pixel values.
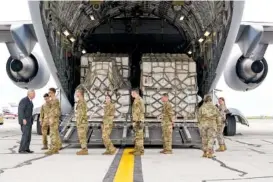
(64, 38)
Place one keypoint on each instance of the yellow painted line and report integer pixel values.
(125, 171)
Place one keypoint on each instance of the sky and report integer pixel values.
(255, 102)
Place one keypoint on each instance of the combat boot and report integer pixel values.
(134, 151)
(60, 147)
(82, 152)
(138, 153)
(221, 148)
(44, 147)
(205, 154)
(168, 152)
(110, 152)
(210, 155)
(225, 147)
(106, 153)
(51, 152)
(162, 151)
(113, 151)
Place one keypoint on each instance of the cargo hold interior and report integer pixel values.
(198, 29)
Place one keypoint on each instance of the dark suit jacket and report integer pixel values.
(25, 109)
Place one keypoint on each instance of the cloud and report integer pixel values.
(14, 10)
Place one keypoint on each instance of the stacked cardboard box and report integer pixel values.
(105, 74)
(174, 74)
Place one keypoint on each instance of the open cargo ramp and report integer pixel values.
(184, 134)
(103, 73)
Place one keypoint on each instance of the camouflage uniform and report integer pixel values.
(109, 112)
(138, 110)
(208, 119)
(54, 116)
(220, 129)
(167, 128)
(44, 117)
(82, 125)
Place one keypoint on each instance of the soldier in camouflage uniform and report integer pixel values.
(109, 113)
(220, 129)
(82, 122)
(167, 118)
(138, 110)
(44, 120)
(208, 120)
(54, 116)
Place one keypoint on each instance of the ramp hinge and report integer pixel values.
(68, 133)
(187, 133)
(124, 135)
(146, 132)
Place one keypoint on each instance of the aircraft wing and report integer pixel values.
(247, 25)
(6, 27)
(5, 35)
(254, 37)
(19, 33)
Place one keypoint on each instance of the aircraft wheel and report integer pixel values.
(230, 129)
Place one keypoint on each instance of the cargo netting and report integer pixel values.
(105, 74)
(174, 74)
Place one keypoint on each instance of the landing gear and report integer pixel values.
(36, 118)
(38, 126)
(230, 129)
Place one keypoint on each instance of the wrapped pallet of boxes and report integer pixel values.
(105, 74)
(174, 74)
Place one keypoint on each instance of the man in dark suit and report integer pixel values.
(25, 120)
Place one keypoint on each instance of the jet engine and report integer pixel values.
(243, 74)
(28, 72)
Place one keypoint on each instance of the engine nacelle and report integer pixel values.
(243, 74)
(28, 72)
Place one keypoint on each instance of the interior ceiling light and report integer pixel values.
(72, 39)
(206, 33)
(92, 17)
(201, 40)
(83, 51)
(181, 18)
(66, 33)
(189, 52)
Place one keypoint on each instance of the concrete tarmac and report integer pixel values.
(249, 158)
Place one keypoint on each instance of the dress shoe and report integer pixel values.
(29, 151)
(23, 152)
